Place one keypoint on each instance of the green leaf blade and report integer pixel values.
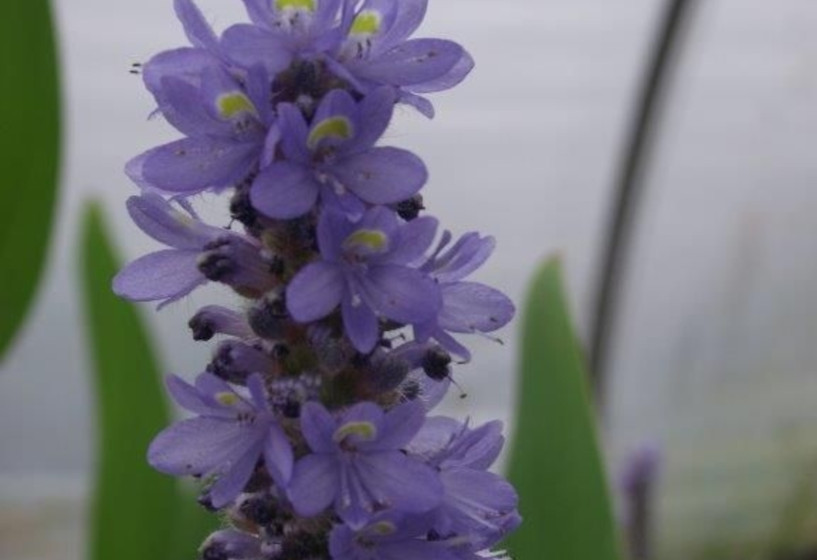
(555, 462)
(135, 508)
(30, 144)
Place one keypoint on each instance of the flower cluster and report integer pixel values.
(311, 431)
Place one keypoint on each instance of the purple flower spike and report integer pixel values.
(468, 307)
(363, 269)
(334, 159)
(226, 440)
(357, 463)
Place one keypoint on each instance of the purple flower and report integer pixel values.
(226, 440)
(477, 505)
(231, 544)
(376, 51)
(363, 269)
(388, 536)
(357, 463)
(198, 252)
(334, 158)
(228, 125)
(468, 307)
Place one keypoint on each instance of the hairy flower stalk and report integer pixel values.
(311, 428)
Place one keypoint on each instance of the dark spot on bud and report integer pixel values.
(291, 408)
(268, 318)
(280, 352)
(305, 545)
(436, 363)
(206, 501)
(201, 327)
(261, 510)
(411, 390)
(241, 209)
(215, 551)
(410, 208)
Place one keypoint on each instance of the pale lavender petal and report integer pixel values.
(318, 426)
(314, 484)
(333, 228)
(336, 103)
(200, 446)
(470, 306)
(168, 274)
(249, 45)
(412, 62)
(315, 291)
(157, 218)
(395, 478)
(480, 447)
(360, 323)
(284, 190)
(402, 294)
(376, 111)
(186, 63)
(294, 132)
(415, 239)
(409, 17)
(233, 480)
(278, 456)
(419, 102)
(196, 28)
(382, 175)
(466, 255)
(450, 343)
(362, 413)
(258, 11)
(434, 437)
(450, 79)
(182, 106)
(196, 164)
(190, 398)
(478, 503)
(399, 426)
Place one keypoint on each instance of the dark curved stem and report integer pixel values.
(629, 183)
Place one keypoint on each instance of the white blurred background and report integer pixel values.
(714, 358)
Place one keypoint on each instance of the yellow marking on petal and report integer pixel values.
(382, 528)
(233, 104)
(372, 239)
(308, 5)
(365, 430)
(337, 127)
(366, 23)
(227, 399)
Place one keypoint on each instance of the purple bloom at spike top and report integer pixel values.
(310, 433)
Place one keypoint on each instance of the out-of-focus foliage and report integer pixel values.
(29, 143)
(555, 460)
(137, 513)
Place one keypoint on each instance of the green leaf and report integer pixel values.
(134, 508)
(29, 144)
(555, 460)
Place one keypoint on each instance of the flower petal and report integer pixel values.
(402, 294)
(314, 484)
(284, 190)
(470, 306)
(360, 323)
(278, 456)
(186, 63)
(232, 481)
(249, 45)
(195, 164)
(318, 426)
(399, 426)
(450, 79)
(196, 28)
(200, 446)
(157, 218)
(412, 63)
(399, 480)
(168, 274)
(382, 175)
(315, 291)
(415, 238)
